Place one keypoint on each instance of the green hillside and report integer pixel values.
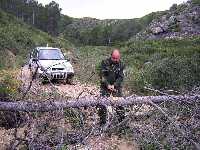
(171, 64)
(163, 63)
(17, 39)
(91, 31)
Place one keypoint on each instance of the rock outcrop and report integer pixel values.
(180, 21)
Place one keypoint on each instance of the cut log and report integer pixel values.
(91, 101)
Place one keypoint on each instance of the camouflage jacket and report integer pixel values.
(111, 73)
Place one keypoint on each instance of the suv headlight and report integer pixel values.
(70, 69)
(43, 70)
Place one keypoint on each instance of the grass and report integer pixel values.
(9, 84)
(89, 58)
(163, 64)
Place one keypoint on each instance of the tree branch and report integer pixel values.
(88, 101)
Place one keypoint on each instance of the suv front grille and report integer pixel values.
(54, 69)
(59, 76)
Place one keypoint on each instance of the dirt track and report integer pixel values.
(73, 91)
(67, 90)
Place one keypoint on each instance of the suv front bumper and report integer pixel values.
(57, 75)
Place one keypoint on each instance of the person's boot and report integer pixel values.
(102, 115)
(120, 113)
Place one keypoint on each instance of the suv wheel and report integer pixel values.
(69, 80)
(42, 79)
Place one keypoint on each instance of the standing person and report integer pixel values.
(111, 78)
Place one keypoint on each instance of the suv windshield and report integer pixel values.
(50, 54)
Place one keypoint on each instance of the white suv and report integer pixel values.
(51, 64)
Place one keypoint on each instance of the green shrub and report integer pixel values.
(9, 84)
(172, 64)
(172, 73)
(196, 2)
(137, 82)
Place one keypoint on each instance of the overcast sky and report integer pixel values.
(112, 9)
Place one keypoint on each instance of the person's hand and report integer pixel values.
(111, 87)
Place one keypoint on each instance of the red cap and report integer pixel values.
(115, 56)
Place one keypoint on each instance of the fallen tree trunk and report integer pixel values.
(91, 101)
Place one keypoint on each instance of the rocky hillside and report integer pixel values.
(90, 23)
(180, 21)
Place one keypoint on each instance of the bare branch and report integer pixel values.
(197, 146)
(91, 101)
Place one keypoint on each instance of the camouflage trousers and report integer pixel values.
(102, 110)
